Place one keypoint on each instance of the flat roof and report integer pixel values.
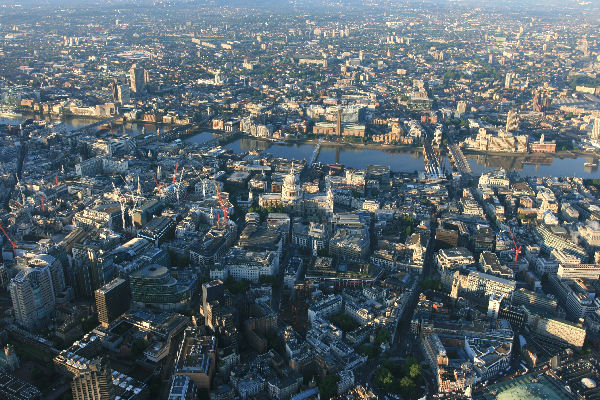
(525, 387)
(111, 285)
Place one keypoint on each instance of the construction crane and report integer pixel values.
(16, 204)
(225, 212)
(179, 184)
(158, 186)
(43, 199)
(20, 190)
(175, 173)
(122, 201)
(56, 180)
(12, 242)
(135, 199)
(517, 248)
(139, 186)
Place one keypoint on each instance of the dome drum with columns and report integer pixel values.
(295, 200)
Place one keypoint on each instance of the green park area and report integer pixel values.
(402, 379)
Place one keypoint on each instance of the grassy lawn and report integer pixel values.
(343, 321)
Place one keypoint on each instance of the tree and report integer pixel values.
(343, 321)
(415, 371)
(307, 376)
(368, 350)
(328, 386)
(583, 80)
(406, 387)
(87, 324)
(235, 287)
(399, 379)
(383, 336)
(267, 279)
(453, 75)
(383, 377)
(433, 284)
(388, 379)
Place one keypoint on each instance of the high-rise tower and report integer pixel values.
(138, 77)
(32, 296)
(595, 134)
(508, 81)
(112, 300)
(512, 122)
(338, 129)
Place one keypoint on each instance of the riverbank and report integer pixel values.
(400, 147)
(410, 158)
(10, 115)
(329, 143)
(559, 154)
(575, 153)
(71, 117)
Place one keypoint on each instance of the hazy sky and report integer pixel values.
(532, 4)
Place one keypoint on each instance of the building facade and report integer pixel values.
(112, 300)
(32, 295)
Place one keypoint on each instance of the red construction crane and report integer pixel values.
(56, 180)
(175, 173)
(157, 184)
(43, 199)
(12, 242)
(517, 248)
(225, 212)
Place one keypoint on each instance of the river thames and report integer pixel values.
(400, 159)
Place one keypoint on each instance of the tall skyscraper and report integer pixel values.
(211, 291)
(123, 94)
(595, 134)
(338, 129)
(508, 80)
(113, 88)
(512, 122)
(54, 266)
(120, 92)
(32, 296)
(138, 78)
(94, 383)
(112, 300)
(537, 106)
